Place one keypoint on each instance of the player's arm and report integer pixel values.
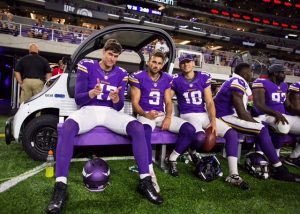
(237, 99)
(292, 103)
(135, 100)
(211, 109)
(168, 102)
(169, 108)
(260, 103)
(18, 77)
(117, 96)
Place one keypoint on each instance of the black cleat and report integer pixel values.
(147, 189)
(283, 174)
(293, 162)
(195, 158)
(59, 198)
(237, 181)
(172, 167)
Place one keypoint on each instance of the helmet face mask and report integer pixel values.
(257, 165)
(95, 174)
(208, 168)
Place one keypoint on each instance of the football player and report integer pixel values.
(269, 96)
(100, 94)
(193, 92)
(232, 98)
(293, 107)
(150, 90)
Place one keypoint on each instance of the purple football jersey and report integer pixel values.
(88, 72)
(190, 95)
(295, 88)
(223, 99)
(152, 93)
(275, 95)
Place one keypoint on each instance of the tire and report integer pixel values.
(39, 136)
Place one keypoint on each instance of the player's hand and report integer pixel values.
(114, 95)
(213, 125)
(166, 123)
(96, 90)
(280, 118)
(151, 115)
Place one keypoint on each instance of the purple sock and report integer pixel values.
(266, 145)
(232, 142)
(198, 141)
(148, 132)
(279, 140)
(185, 137)
(135, 131)
(65, 147)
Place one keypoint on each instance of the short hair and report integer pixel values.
(113, 45)
(158, 53)
(240, 67)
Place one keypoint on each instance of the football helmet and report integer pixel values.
(208, 168)
(95, 175)
(257, 165)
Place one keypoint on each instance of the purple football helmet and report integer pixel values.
(208, 168)
(257, 165)
(95, 175)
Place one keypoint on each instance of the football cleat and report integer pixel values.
(155, 183)
(195, 158)
(147, 189)
(59, 198)
(282, 173)
(237, 181)
(172, 167)
(293, 162)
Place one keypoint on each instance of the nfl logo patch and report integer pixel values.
(155, 84)
(191, 85)
(106, 77)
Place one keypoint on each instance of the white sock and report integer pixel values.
(61, 179)
(151, 170)
(277, 164)
(278, 152)
(296, 152)
(142, 176)
(233, 167)
(173, 156)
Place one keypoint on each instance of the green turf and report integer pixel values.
(2, 123)
(185, 195)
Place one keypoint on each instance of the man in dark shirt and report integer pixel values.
(31, 72)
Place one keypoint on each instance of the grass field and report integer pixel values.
(187, 194)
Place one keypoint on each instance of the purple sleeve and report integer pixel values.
(118, 106)
(238, 86)
(81, 88)
(134, 81)
(206, 78)
(295, 88)
(170, 81)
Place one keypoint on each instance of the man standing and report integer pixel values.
(150, 90)
(230, 99)
(31, 72)
(100, 94)
(59, 69)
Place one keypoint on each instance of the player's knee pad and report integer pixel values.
(283, 128)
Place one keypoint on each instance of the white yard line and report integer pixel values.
(14, 181)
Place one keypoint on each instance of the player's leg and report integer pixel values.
(128, 125)
(76, 123)
(186, 132)
(198, 120)
(231, 146)
(293, 158)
